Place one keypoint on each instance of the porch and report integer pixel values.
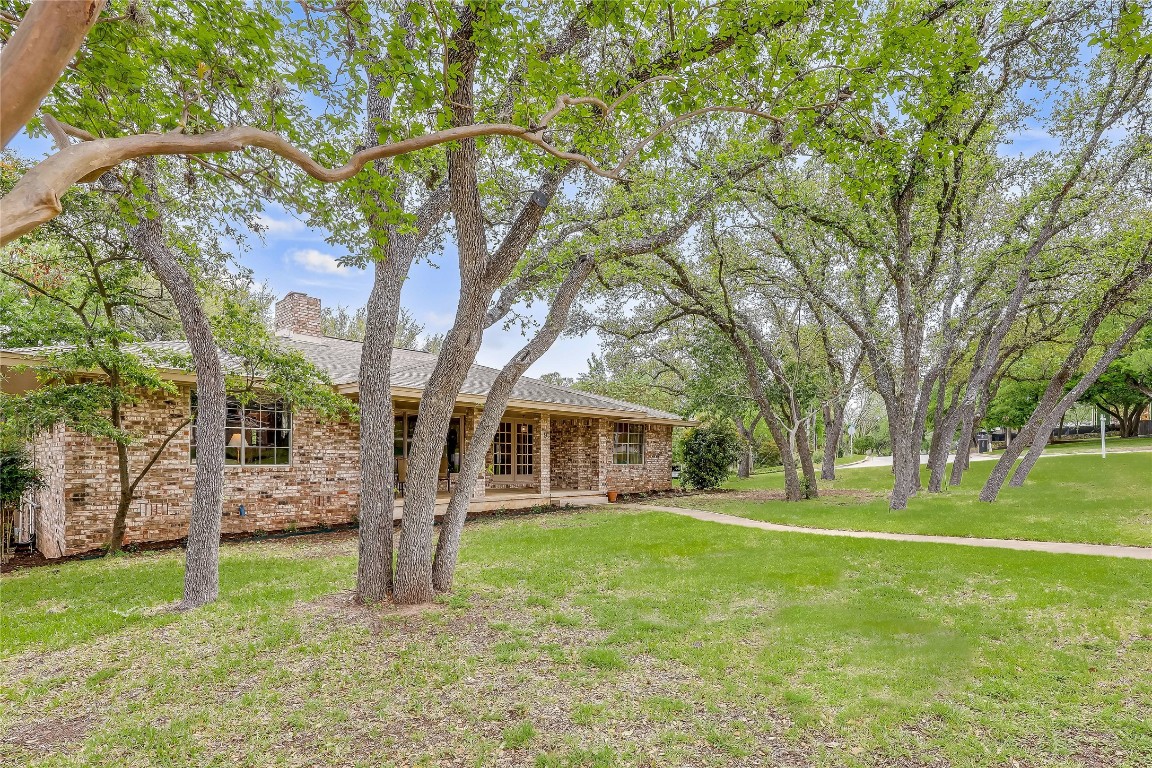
(495, 499)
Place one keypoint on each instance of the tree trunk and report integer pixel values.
(905, 464)
(804, 448)
(968, 423)
(833, 433)
(377, 459)
(744, 461)
(201, 572)
(124, 501)
(1056, 414)
(495, 403)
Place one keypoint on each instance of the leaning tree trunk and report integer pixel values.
(968, 422)
(1055, 389)
(496, 401)
(202, 569)
(1056, 415)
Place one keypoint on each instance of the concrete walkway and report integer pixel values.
(1057, 547)
(886, 461)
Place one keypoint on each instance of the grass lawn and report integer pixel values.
(602, 638)
(1069, 498)
(1093, 446)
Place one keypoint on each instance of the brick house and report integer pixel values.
(289, 470)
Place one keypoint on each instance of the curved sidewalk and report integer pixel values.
(1056, 547)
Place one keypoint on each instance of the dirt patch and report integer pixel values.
(47, 734)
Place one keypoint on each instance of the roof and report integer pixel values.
(411, 372)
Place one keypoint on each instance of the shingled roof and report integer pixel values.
(411, 372)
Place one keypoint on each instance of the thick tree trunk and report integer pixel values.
(201, 572)
(804, 448)
(38, 52)
(377, 460)
(905, 462)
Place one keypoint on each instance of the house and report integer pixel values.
(289, 470)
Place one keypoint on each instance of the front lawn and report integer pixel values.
(1066, 498)
(601, 638)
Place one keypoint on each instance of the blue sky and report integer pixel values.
(294, 257)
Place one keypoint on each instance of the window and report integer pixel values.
(523, 449)
(512, 449)
(258, 433)
(502, 450)
(628, 443)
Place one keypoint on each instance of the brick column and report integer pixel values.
(603, 453)
(48, 455)
(544, 455)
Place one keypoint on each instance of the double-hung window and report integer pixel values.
(255, 434)
(628, 443)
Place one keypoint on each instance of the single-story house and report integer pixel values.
(289, 470)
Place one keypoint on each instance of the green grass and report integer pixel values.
(850, 458)
(1069, 498)
(1093, 446)
(604, 638)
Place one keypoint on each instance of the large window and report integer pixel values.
(258, 433)
(628, 443)
(512, 449)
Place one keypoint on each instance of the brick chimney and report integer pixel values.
(298, 313)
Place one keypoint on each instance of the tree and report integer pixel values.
(79, 288)
(709, 453)
(341, 323)
(1124, 389)
(18, 475)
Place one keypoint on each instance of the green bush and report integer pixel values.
(709, 453)
(17, 475)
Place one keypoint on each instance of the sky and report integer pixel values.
(294, 257)
(291, 256)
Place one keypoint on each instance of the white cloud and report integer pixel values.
(279, 227)
(319, 262)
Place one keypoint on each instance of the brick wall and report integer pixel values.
(320, 487)
(581, 458)
(655, 474)
(575, 454)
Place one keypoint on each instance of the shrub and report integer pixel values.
(17, 475)
(709, 453)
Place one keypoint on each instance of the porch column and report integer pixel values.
(544, 453)
(603, 440)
